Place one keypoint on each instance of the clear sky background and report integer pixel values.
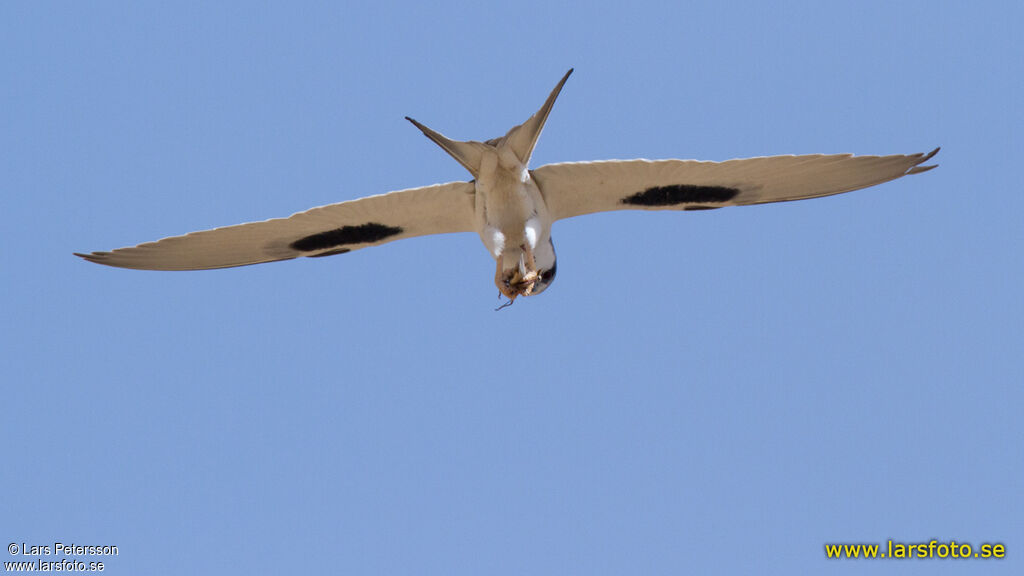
(711, 392)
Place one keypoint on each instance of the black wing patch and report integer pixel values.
(362, 234)
(674, 194)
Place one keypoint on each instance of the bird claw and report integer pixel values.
(518, 281)
(519, 285)
(516, 285)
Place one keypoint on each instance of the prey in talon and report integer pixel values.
(519, 281)
(512, 207)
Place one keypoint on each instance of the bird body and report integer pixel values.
(511, 216)
(512, 208)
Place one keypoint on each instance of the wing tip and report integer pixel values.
(921, 169)
(918, 169)
(103, 258)
(92, 256)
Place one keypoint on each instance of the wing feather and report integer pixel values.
(577, 188)
(321, 231)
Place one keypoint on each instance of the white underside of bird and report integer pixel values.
(512, 207)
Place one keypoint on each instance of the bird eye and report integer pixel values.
(546, 278)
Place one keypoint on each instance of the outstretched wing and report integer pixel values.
(322, 231)
(577, 188)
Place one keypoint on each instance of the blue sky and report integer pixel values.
(711, 392)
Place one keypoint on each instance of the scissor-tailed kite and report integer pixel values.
(512, 207)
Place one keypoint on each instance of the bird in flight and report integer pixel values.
(513, 207)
